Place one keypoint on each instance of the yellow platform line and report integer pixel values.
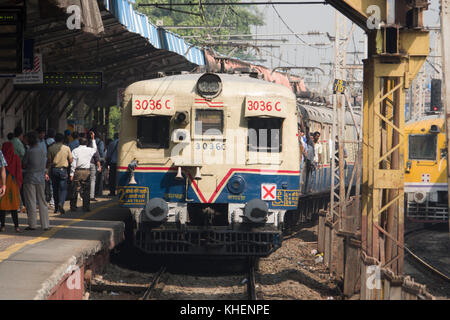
(48, 234)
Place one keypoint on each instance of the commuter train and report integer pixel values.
(209, 164)
(426, 189)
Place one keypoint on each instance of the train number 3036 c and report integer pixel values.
(262, 105)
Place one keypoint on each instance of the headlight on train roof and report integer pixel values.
(209, 85)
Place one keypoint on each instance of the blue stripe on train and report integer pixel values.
(164, 185)
(321, 179)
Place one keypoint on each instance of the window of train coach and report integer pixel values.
(209, 122)
(264, 134)
(153, 132)
(422, 147)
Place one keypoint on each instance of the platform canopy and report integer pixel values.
(113, 39)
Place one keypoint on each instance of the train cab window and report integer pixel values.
(264, 134)
(153, 132)
(422, 147)
(209, 122)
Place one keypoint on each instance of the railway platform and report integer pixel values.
(53, 264)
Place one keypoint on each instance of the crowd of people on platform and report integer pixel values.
(43, 168)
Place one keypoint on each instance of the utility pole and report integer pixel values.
(418, 95)
(337, 197)
(445, 38)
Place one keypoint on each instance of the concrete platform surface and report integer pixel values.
(32, 263)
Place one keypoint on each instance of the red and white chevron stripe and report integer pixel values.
(36, 65)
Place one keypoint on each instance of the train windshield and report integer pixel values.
(153, 132)
(422, 147)
(264, 134)
(209, 122)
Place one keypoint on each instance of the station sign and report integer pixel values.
(33, 75)
(84, 80)
(152, 105)
(339, 86)
(263, 106)
(11, 40)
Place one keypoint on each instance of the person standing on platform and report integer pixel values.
(3, 165)
(59, 158)
(11, 184)
(17, 142)
(66, 139)
(80, 174)
(99, 178)
(41, 139)
(75, 142)
(111, 161)
(95, 165)
(35, 175)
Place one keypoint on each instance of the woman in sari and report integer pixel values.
(11, 200)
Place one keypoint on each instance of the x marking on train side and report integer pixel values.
(268, 192)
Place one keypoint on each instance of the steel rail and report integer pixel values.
(155, 281)
(251, 290)
(428, 266)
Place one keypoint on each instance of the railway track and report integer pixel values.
(251, 283)
(432, 270)
(150, 291)
(164, 285)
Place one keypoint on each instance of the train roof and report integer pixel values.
(323, 114)
(186, 83)
(423, 125)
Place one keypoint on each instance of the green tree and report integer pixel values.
(239, 19)
(114, 120)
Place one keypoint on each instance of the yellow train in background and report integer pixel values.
(426, 188)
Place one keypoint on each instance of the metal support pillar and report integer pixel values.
(445, 38)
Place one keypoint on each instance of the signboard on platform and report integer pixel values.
(31, 76)
(11, 40)
(84, 80)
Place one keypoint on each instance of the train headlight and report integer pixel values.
(156, 210)
(209, 85)
(256, 211)
(236, 185)
(182, 117)
(420, 197)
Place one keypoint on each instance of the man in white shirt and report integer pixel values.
(80, 174)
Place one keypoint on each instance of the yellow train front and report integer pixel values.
(426, 189)
(208, 164)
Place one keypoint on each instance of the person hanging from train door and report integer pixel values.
(309, 163)
(303, 152)
(318, 150)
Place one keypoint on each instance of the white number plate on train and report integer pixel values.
(143, 104)
(255, 106)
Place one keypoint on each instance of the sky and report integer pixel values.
(305, 18)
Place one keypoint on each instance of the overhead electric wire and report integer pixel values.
(289, 28)
(258, 3)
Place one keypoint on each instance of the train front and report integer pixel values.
(208, 163)
(426, 189)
